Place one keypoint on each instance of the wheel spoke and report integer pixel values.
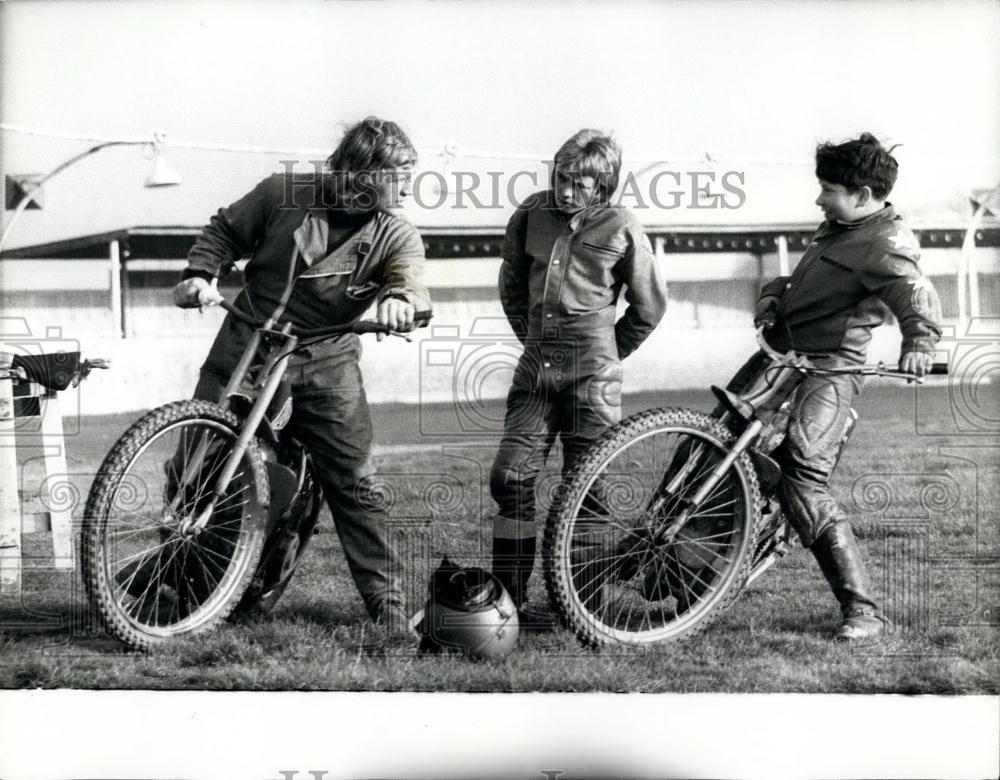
(202, 485)
(141, 600)
(712, 548)
(201, 550)
(157, 583)
(625, 582)
(124, 536)
(128, 558)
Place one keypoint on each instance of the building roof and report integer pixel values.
(174, 241)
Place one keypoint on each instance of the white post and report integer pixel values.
(973, 273)
(59, 491)
(967, 261)
(10, 503)
(115, 258)
(960, 279)
(784, 266)
(660, 253)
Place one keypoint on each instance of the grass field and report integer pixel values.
(912, 478)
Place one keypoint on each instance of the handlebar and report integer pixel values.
(871, 369)
(420, 319)
(55, 371)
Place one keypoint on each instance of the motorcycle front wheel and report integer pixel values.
(149, 569)
(629, 558)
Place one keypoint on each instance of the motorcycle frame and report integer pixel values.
(775, 384)
(271, 375)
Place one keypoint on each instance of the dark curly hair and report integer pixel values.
(367, 147)
(861, 162)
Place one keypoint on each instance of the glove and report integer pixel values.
(916, 363)
(196, 292)
(396, 313)
(765, 313)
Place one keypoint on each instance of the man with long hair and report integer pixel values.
(323, 248)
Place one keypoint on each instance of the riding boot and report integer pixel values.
(391, 617)
(839, 558)
(513, 560)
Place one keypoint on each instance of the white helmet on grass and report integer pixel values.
(469, 611)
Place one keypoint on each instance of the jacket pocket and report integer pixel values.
(603, 249)
(335, 264)
(363, 291)
(588, 284)
(327, 287)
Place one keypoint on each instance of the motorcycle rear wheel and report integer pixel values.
(283, 553)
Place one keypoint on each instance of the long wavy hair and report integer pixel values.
(370, 146)
(592, 153)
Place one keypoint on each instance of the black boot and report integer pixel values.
(839, 558)
(513, 561)
(395, 623)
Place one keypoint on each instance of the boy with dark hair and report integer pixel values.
(861, 260)
(566, 254)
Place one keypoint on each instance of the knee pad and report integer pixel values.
(604, 396)
(820, 417)
(505, 481)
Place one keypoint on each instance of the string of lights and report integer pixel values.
(448, 151)
(451, 151)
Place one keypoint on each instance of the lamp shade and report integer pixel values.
(162, 175)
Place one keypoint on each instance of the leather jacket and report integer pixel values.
(848, 277)
(283, 226)
(561, 277)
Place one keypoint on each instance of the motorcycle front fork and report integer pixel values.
(274, 370)
(745, 440)
(666, 534)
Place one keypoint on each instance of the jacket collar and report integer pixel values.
(886, 214)
(575, 221)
